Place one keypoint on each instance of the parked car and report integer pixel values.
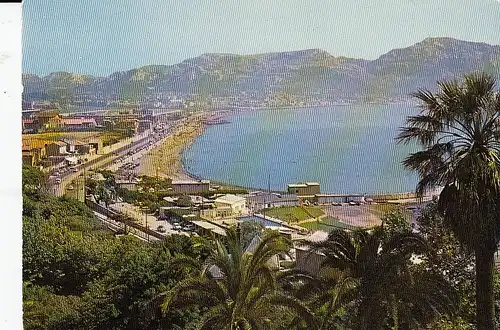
(188, 228)
(58, 180)
(70, 187)
(161, 229)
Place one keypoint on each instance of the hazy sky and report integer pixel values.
(101, 37)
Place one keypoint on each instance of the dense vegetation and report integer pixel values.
(459, 131)
(78, 275)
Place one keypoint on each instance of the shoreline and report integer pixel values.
(165, 159)
(169, 158)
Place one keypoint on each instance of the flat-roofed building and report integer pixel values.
(304, 189)
(200, 186)
(237, 204)
(78, 124)
(57, 148)
(259, 200)
(207, 228)
(213, 212)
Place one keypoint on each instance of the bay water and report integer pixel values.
(346, 148)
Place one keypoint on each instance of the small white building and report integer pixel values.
(237, 204)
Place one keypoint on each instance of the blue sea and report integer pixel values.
(346, 148)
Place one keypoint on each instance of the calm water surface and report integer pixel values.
(347, 149)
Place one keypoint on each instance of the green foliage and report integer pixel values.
(459, 131)
(246, 295)
(391, 290)
(34, 181)
(77, 275)
(184, 201)
(395, 222)
(148, 182)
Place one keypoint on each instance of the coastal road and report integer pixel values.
(101, 161)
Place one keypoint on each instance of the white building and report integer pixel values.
(237, 204)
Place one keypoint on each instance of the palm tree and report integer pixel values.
(238, 289)
(459, 132)
(326, 294)
(389, 291)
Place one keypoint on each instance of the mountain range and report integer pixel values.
(305, 76)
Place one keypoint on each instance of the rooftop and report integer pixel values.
(28, 144)
(190, 182)
(74, 142)
(297, 185)
(210, 226)
(78, 121)
(270, 198)
(230, 199)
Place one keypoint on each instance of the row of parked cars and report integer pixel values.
(128, 166)
(177, 224)
(56, 175)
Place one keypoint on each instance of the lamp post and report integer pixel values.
(143, 209)
(147, 224)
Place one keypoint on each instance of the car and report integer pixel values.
(189, 228)
(70, 187)
(56, 173)
(58, 180)
(336, 204)
(161, 229)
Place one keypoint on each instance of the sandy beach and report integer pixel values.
(165, 160)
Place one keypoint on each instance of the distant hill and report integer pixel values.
(306, 76)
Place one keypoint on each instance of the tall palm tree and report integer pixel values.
(238, 289)
(389, 292)
(459, 132)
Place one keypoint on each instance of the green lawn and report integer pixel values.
(327, 224)
(294, 214)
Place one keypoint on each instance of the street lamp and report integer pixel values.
(143, 209)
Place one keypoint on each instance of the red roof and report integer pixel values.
(28, 121)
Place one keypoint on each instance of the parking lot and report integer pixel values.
(163, 226)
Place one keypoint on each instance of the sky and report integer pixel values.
(102, 37)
